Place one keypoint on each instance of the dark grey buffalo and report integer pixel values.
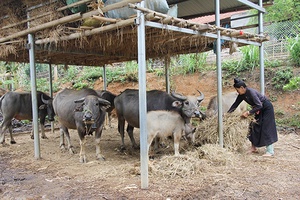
(104, 94)
(82, 110)
(127, 108)
(19, 106)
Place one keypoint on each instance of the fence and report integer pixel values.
(276, 48)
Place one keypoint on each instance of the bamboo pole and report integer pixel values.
(46, 13)
(105, 19)
(67, 19)
(110, 27)
(41, 27)
(202, 27)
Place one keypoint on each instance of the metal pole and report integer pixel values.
(261, 50)
(51, 92)
(167, 74)
(104, 78)
(37, 153)
(219, 74)
(142, 97)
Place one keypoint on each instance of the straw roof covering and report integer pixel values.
(66, 38)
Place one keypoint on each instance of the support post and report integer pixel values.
(31, 47)
(142, 97)
(167, 74)
(104, 78)
(37, 153)
(261, 50)
(51, 92)
(219, 74)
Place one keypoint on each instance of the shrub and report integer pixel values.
(282, 77)
(294, 49)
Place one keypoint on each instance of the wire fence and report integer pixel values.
(275, 48)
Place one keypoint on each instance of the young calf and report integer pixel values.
(168, 123)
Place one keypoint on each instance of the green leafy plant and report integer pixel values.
(282, 77)
(294, 49)
(294, 84)
(189, 63)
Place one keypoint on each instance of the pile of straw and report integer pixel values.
(235, 132)
(209, 154)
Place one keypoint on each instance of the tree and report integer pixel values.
(283, 10)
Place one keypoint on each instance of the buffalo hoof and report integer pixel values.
(44, 137)
(4, 144)
(12, 142)
(101, 158)
(31, 136)
(136, 147)
(71, 150)
(122, 148)
(83, 159)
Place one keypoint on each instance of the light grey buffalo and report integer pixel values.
(82, 110)
(227, 100)
(127, 108)
(161, 123)
(19, 106)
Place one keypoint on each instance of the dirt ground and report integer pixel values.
(225, 175)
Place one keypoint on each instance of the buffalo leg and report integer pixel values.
(82, 154)
(65, 132)
(6, 124)
(12, 140)
(2, 134)
(149, 142)
(177, 137)
(98, 134)
(121, 125)
(130, 134)
(43, 131)
(109, 119)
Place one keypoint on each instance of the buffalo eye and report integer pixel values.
(187, 103)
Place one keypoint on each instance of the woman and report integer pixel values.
(262, 132)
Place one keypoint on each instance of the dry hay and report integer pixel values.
(198, 160)
(191, 163)
(235, 132)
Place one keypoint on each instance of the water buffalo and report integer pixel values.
(163, 123)
(19, 106)
(127, 108)
(82, 110)
(227, 100)
(104, 94)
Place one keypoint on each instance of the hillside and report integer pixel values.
(286, 104)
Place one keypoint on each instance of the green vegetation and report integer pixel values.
(294, 84)
(282, 77)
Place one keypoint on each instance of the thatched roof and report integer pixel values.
(61, 37)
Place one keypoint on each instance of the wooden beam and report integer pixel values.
(41, 27)
(110, 27)
(67, 19)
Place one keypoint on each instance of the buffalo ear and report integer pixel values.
(176, 104)
(42, 107)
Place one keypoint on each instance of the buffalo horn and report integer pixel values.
(79, 100)
(178, 96)
(45, 101)
(103, 101)
(201, 97)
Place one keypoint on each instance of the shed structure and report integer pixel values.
(45, 31)
(89, 39)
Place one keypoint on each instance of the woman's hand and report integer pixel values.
(246, 114)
